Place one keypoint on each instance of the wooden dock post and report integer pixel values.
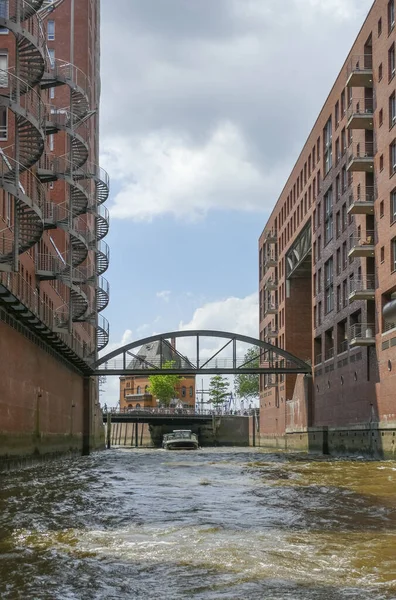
(108, 432)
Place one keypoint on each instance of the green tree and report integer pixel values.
(246, 385)
(218, 389)
(163, 387)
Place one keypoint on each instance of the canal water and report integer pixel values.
(212, 524)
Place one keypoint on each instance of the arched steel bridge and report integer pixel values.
(153, 355)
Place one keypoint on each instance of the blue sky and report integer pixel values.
(205, 108)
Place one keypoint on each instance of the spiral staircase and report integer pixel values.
(82, 215)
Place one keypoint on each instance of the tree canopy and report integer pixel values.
(218, 389)
(163, 387)
(247, 385)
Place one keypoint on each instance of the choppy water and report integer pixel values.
(212, 524)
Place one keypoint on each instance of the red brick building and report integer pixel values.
(52, 225)
(328, 263)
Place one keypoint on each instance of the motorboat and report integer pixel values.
(180, 439)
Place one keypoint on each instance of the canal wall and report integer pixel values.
(219, 431)
(47, 406)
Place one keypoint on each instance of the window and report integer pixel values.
(391, 15)
(392, 157)
(344, 293)
(391, 62)
(392, 110)
(343, 179)
(393, 206)
(337, 113)
(3, 123)
(138, 390)
(344, 256)
(146, 389)
(4, 13)
(342, 103)
(51, 55)
(343, 141)
(337, 151)
(319, 246)
(381, 162)
(338, 224)
(183, 391)
(339, 303)
(380, 73)
(52, 93)
(381, 117)
(338, 261)
(51, 30)
(51, 142)
(382, 254)
(338, 188)
(328, 206)
(393, 254)
(191, 391)
(319, 280)
(329, 295)
(3, 69)
(327, 147)
(379, 27)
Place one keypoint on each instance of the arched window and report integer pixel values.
(138, 389)
(129, 405)
(137, 405)
(191, 391)
(183, 391)
(146, 389)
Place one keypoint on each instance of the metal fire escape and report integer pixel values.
(26, 173)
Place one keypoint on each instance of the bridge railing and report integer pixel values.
(171, 411)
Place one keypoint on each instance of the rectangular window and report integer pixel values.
(343, 141)
(345, 292)
(392, 157)
(337, 113)
(52, 93)
(393, 254)
(338, 261)
(329, 298)
(392, 110)
(327, 147)
(391, 62)
(393, 206)
(51, 30)
(3, 69)
(51, 142)
(338, 224)
(3, 123)
(51, 55)
(380, 72)
(344, 256)
(339, 305)
(338, 188)
(329, 272)
(391, 15)
(337, 151)
(342, 104)
(4, 13)
(379, 27)
(319, 281)
(328, 206)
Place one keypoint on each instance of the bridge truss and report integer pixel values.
(159, 354)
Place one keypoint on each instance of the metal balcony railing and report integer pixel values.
(362, 334)
(329, 353)
(360, 107)
(271, 307)
(270, 259)
(361, 151)
(344, 345)
(359, 63)
(65, 70)
(362, 241)
(362, 284)
(363, 194)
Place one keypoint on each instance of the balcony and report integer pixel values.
(329, 354)
(360, 71)
(271, 284)
(362, 288)
(360, 114)
(362, 203)
(362, 246)
(362, 334)
(272, 333)
(361, 157)
(271, 237)
(271, 309)
(270, 260)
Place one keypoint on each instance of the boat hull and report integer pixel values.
(180, 445)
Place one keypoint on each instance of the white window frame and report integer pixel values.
(51, 34)
(4, 14)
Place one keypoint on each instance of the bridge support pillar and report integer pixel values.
(87, 417)
(108, 431)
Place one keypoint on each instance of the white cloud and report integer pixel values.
(164, 295)
(165, 173)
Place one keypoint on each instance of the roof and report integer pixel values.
(151, 353)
